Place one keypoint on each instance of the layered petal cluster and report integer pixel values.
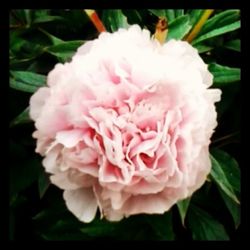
(126, 125)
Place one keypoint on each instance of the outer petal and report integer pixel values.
(150, 204)
(85, 48)
(71, 179)
(37, 102)
(82, 203)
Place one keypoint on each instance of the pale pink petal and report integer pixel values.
(82, 203)
(109, 172)
(69, 138)
(150, 204)
(117, 198)
(37, 102)
(71, 180)
(52, 120)
(50, 161)
(85, 48)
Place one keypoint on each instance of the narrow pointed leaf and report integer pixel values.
(158, 12)
(65, 50)
(179, 28)
(202, 48)
(233, 45)
(220, 20)
(23, 117)
(26, 81)
(114, 19)
(217, 31)
(170, 14)
(223, 74)
(46, 19)
(194, 16)
(55, 40)
(183, 207)
(133, 16)
(179, 12)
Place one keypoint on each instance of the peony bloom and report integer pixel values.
(126, 125)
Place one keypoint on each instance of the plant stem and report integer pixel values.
(199, 25)
(226, 137)
(95, 20)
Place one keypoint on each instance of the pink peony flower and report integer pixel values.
(126, 125)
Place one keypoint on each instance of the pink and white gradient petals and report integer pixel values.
(125, 127)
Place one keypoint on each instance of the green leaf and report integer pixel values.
(233, 208)
(217, 31)
(194, 16)
(133, 16)
(183, 207)
(55, 40)
(64, 228)
(202, 48)
(223, 74)
(41, 13)
(223, 170)
(229, 166)
(170, 14)
(28, 17)
(158, 12)
(233, 45)
(204, 226)
(162, 225)
(179, 28)
(46, 19)
(114, 19)
(63, 233)
(99, 228)
(220, 20)
(179, 12)
(23, 117)
(30, 78)
(43, 183)
(26, 81)
(23, 48)
(65, 50)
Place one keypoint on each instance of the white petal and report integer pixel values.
(85, 48)
(69, 138)
(71, 179)
(82, 203)
(50, 161)
(37, 102)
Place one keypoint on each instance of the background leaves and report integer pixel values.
(204, 226)
(41, 38)
(226, 173)
(179, 27)
(223, 74)
(26, 81)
